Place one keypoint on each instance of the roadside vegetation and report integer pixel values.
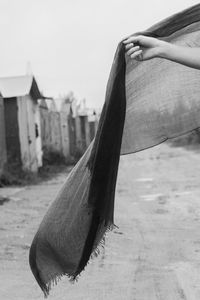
(53, 164)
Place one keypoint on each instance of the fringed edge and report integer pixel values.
(95, 252)
(53, 281)
(97, 249)
(46, 287)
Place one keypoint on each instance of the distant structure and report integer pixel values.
(22, 121)
(33, 130)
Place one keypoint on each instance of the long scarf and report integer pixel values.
(146, 103)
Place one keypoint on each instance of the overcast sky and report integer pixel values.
(70, 43)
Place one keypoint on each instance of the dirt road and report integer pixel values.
(155, 253)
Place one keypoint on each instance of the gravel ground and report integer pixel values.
(155, 253)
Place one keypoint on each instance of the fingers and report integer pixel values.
(137, 55)
(133, 47)
(129, 46)
(132, 39)
(133, 50)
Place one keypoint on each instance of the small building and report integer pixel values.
(22, 121)
(3, 156)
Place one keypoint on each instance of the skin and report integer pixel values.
(144, 48)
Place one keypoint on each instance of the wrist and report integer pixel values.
(165, 49)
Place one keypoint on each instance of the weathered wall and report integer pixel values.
(12, 131)
(56, 140)
(87, 131)
(27, 132)
(92, 129)
(83, 133)
(72, 135)
(79, 144)
(38, 139)
(3, 155)
(64, 133)
(45, 126)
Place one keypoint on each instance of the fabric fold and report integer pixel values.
(145, 104)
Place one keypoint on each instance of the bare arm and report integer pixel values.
(144, 48)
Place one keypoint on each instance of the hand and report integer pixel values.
(144, 47)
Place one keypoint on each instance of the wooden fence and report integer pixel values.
(65, 132)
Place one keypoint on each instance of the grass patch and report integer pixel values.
(53, 164)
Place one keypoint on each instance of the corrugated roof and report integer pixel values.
(18, 86)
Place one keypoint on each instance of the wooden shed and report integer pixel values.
(22, 121)
(3, 156)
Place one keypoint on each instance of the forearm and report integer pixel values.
(184, 55)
